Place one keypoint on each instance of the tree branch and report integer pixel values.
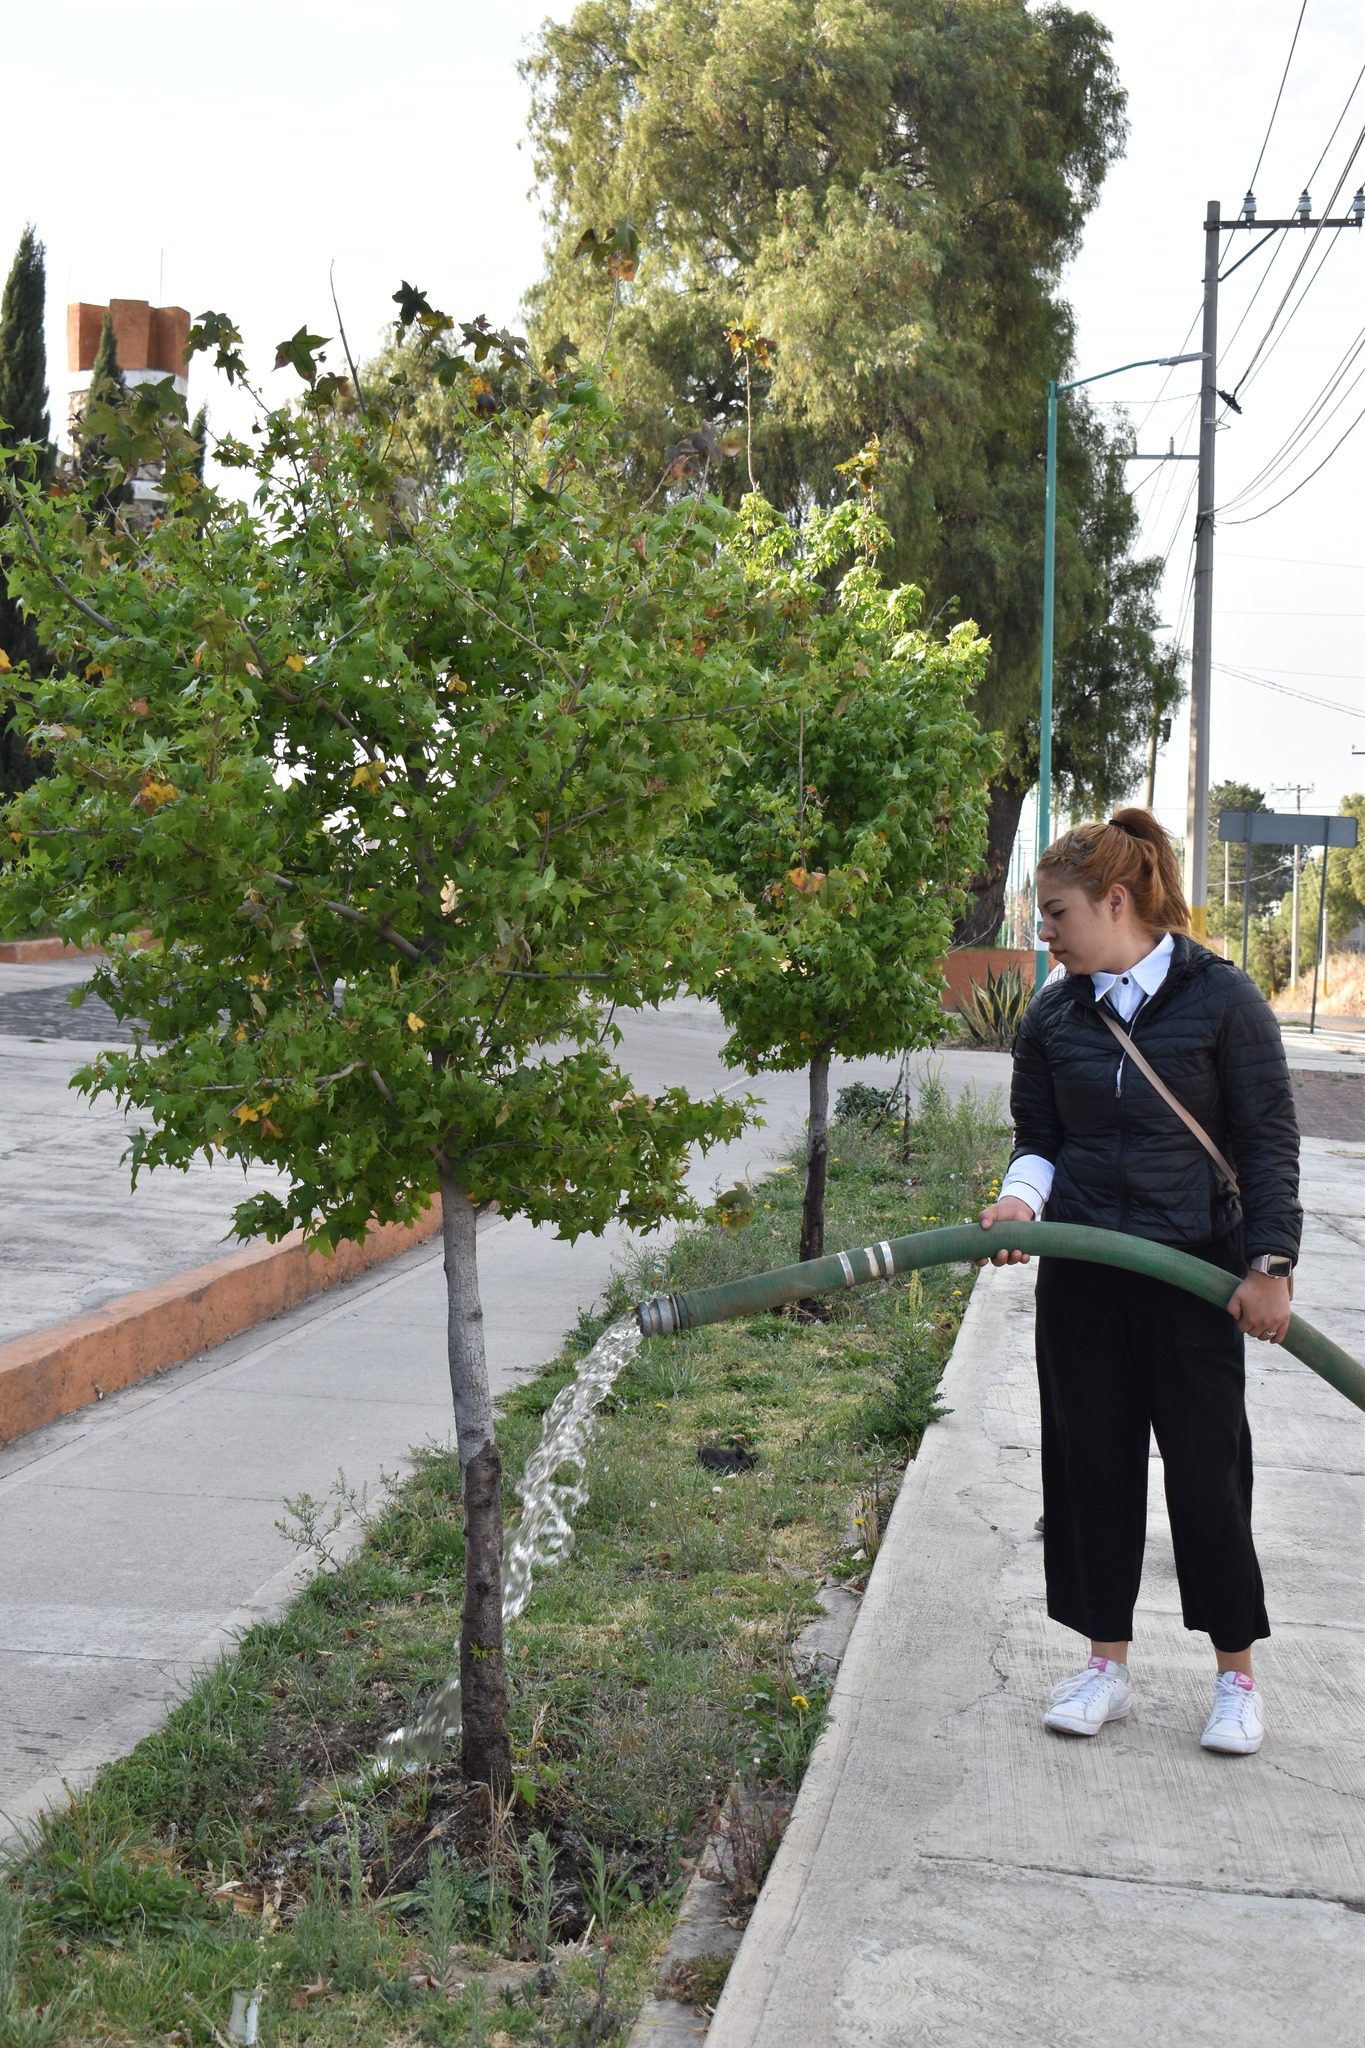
(87, 610)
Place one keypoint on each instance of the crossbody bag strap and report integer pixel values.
(1190, 1122)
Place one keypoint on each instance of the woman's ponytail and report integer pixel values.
(1132, 849)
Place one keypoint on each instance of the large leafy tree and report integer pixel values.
(855, 804)
(885, 195)
(387, 772)
(23, 422)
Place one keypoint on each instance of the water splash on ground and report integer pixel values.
(554, 1487)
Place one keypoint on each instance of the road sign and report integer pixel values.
(1286, 828)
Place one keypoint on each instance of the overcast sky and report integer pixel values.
(222, 155)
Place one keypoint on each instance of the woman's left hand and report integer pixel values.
(1261, 1307)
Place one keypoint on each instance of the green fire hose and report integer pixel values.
(666, 1313)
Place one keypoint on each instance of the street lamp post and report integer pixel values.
(1049, 581)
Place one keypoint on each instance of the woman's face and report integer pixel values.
(1089, 937)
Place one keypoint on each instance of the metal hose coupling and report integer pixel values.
(658, 1317)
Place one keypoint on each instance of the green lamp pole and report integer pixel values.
(1049, 580)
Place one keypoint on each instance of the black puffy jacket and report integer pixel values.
(1123, 1159)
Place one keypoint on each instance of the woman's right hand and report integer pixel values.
(1009, 1209)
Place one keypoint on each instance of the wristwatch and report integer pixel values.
(1274, 1263)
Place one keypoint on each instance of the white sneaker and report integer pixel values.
(1237, 1724)
(1081, 1705)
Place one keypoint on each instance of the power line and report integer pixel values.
(1308, 181)
(1298, 437)
(1303, 480)
(1243, 675)
(1303, 260)
(1297, 561)
(1323, 675)
(1251, 182)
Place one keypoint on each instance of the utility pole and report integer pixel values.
(1298, 790)
(1201, 658)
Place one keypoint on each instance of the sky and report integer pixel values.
(227, 154)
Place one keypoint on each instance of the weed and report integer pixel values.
(697, 1980)
(536, 1865)
(860, 1104)
(747, 1839)
(782, 1725)
(314, 1526)
(607, 1891)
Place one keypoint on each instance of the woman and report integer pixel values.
(1119, 1354)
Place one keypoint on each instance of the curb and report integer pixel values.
(49, 1373)
(20, 952)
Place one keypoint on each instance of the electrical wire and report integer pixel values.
(1295, 561)
(1303, 260)
(1153, 403)
(1243, 675)
(1251, 182)
(1315, 417)
(1308, 181)
(1264, 513)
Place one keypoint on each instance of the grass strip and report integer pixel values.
(223, 1855)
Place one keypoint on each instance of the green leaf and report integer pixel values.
(300, 352)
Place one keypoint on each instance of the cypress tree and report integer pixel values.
(23, 417)
(199, 434)
(106, 387)
(23, 357)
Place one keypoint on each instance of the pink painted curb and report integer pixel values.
(51, 1372)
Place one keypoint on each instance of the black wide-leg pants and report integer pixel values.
(1120, 1355)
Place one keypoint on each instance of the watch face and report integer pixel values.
(1278, 1269)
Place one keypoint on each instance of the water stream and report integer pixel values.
(553, 1488)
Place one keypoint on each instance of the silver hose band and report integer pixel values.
(846, 1267)
(888, 1259)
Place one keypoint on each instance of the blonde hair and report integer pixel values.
(1132, 849)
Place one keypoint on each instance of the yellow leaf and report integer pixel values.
(245, 1114)
(198, 654)
(416, 1023)
(456, 685)
(294, 662)
(450, 896)
(369, 775)
(5, 663)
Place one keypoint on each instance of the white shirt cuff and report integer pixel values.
(1029, 1180)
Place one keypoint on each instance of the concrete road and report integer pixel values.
(74, 1232)
(137, 1537)
(954, 1875)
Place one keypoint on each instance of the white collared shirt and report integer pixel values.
(1030, 1176)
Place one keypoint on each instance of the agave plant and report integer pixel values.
(993, 1011)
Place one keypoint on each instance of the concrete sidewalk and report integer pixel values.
(137, 1537)
(955, 1875)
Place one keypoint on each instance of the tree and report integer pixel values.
(387, 773)
(23, 420)
(886, 195)
(855, 804)
(199, 434)
(103, 394)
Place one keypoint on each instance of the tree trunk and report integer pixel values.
(817, 1161)
(485, 1751)
(980, 921)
